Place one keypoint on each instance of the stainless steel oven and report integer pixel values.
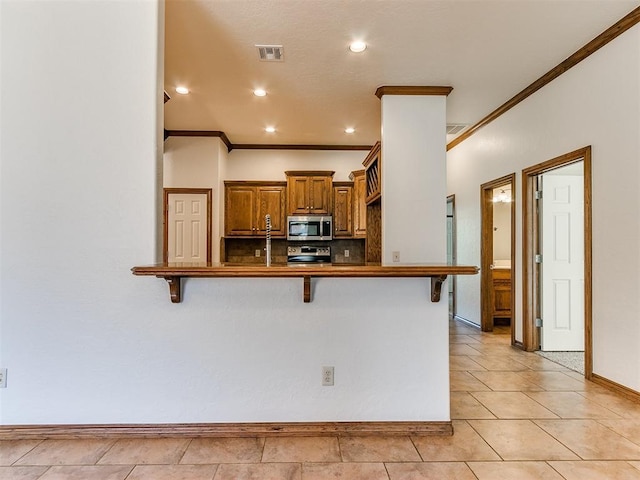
(306, 254)
(309, 227)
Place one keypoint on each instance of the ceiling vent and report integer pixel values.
(455, 128)
(271, 53)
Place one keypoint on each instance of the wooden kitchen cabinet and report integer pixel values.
(359, 203)
(309, 192)
(247, 203)
(373, 199)
(342, 209)
(501, 292)
(373, 172)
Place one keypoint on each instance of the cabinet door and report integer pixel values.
(298, 193)
(342, 211)
(320, 195)
(240, 212)
(501, 293)
(271, 200)
(359, 206)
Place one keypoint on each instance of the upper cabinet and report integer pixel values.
(372, 166)
(247, 204)
(309, 192)
(359, 203)
(342, 209)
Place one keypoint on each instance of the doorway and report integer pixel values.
(557, 256)
(187, 225)
(497, 254)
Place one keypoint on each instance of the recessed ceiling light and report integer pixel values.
(358, 46)
(182, 90)
(270, 129)
(259, 92)
(349, 130)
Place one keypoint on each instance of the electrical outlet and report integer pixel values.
(3, 377)
(396, 256)
(346, 254)
(327, 376)
(257, 253)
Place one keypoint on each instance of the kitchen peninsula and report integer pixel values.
(355, 207)
(255, 351)
(173, 274)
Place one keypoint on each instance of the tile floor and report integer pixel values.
(516, 416)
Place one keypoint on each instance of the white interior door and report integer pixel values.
(562, 274)
(187, 227)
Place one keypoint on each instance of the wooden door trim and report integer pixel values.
(530, 281)
(165, 220)
(486, 250)
(452, 199)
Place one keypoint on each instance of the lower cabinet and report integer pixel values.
(501, 292)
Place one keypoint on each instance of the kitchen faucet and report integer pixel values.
(267, 218)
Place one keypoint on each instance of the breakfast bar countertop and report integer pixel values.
(174, 272)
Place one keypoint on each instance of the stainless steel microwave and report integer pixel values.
(309, 227)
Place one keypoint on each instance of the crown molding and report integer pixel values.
(594, 45)
(258, 146)
(412, 90)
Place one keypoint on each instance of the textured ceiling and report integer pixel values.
(486, 50)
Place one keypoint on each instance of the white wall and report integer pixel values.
(78, 195)
(85, 341)
(413, 179)
(195, 162)
(596, 103)
(501, 231)
(271, 164)
(191, 162)
(223, 162)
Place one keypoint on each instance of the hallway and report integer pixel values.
(516, 416)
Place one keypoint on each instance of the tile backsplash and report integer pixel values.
(243, 250)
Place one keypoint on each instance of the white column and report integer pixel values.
(413, 174)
